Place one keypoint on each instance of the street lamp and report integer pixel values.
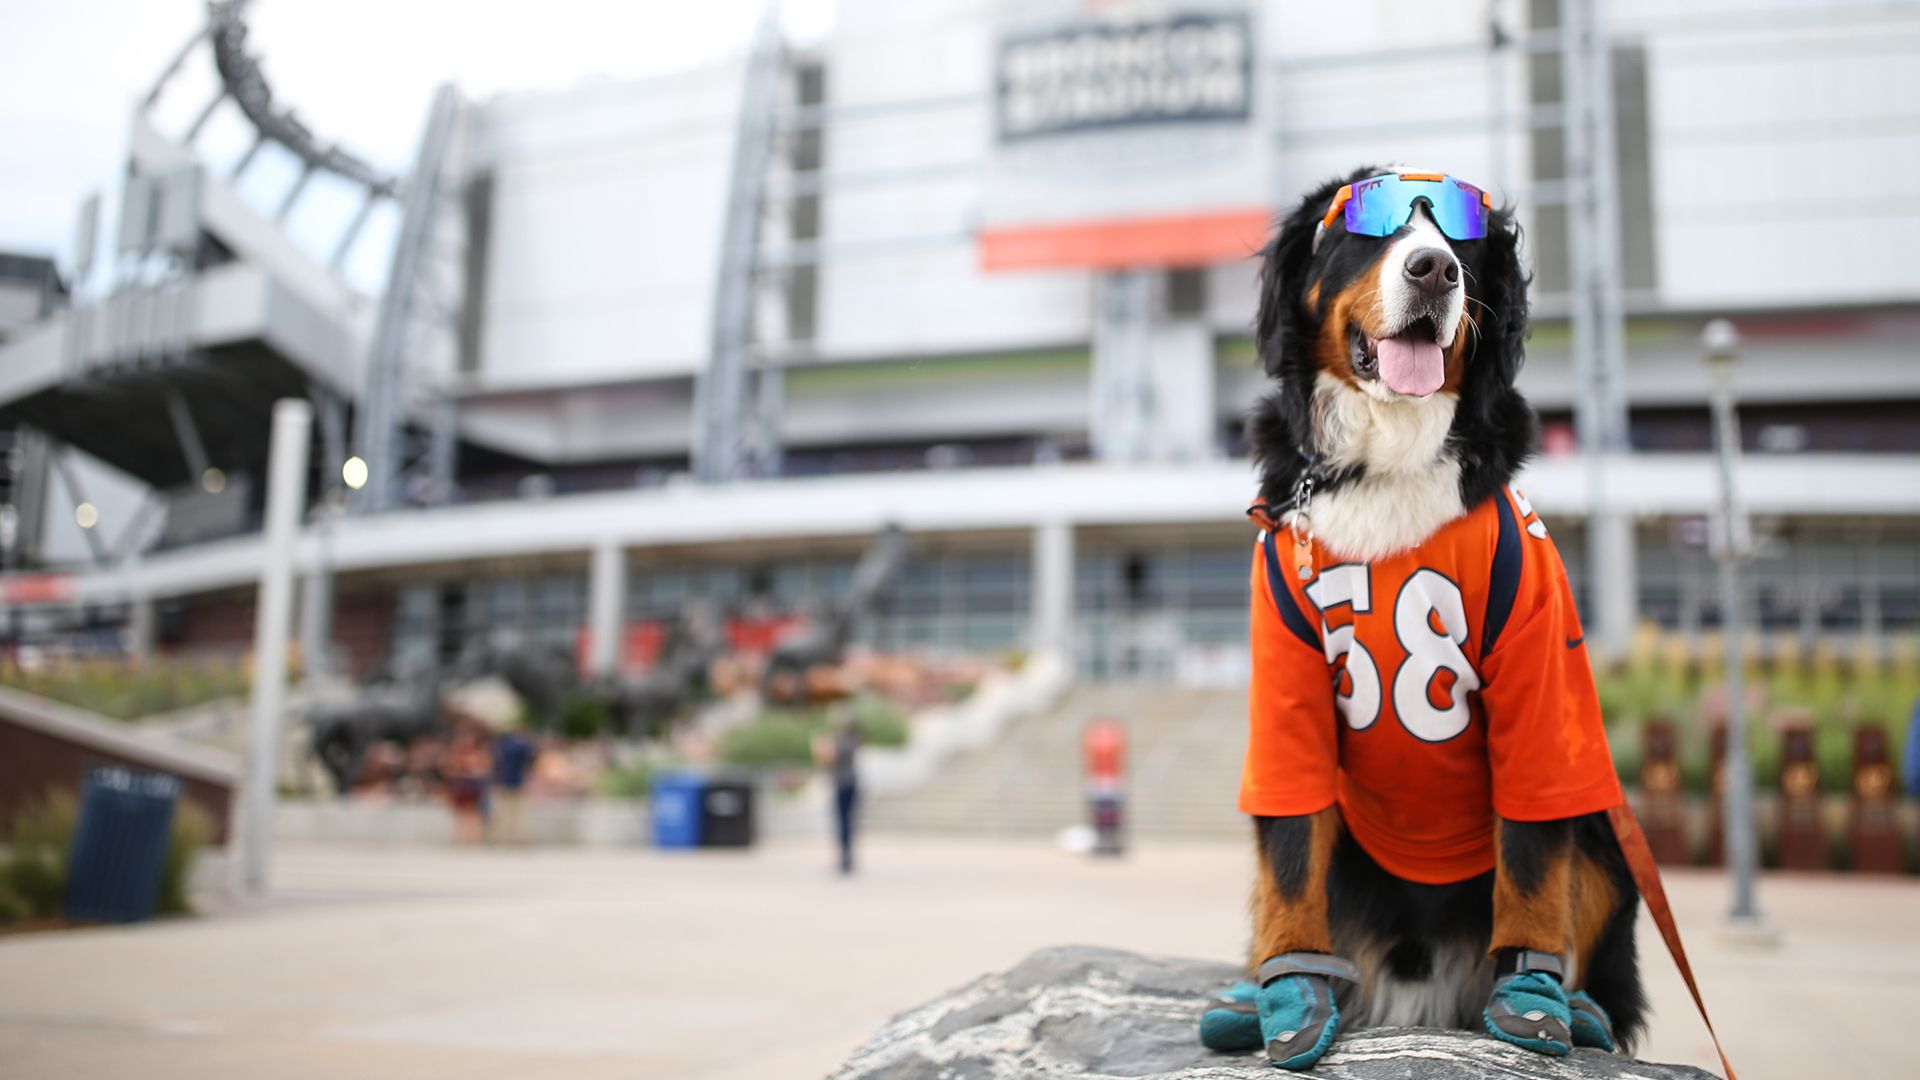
(1721, 343)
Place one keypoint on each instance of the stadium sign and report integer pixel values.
(1126, 135)
(1177, 70)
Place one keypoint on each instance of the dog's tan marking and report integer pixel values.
(1456, 358)
(1299, 924)
(1594, 898)
(1355, 305)
(1539, 919)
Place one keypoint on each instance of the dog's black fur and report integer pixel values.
(1493, 432)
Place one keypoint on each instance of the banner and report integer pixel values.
(1125, 135)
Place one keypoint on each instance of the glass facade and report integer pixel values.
(1163, 613)
(975, 601)
(1167, 607)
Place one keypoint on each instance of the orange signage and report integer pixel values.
(1177, 240)
(25, 589)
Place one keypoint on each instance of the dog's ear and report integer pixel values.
(1501, 346)
(1283, 274)
(1283, 277)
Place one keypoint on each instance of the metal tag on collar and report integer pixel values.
(1302, 527)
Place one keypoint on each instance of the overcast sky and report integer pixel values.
(359, 72)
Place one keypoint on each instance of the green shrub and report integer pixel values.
(1766, 750)
(1627, 741)
(631, 781)
(880, 722)
(35, 872)
(12, 908)
(1833, 753)
(193, 829)
(771, 740)
(583, 718)
(125, 691)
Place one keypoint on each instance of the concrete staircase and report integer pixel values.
(1184, 752)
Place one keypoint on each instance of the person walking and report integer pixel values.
(466, 769)
(836, 752)
(512, 764)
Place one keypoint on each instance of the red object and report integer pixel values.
(1416, 729)
(1163, 240)
(758, 635)
(26, 589)
(1105, 745)
(640, 645)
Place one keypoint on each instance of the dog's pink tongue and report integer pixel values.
(1411, 365)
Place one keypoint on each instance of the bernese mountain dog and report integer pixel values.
(1426, 771)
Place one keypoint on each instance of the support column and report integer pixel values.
(606, 608)
(1052, 625)
(1122, 389)
(1612, 580)
(140, 629)
(316, 616)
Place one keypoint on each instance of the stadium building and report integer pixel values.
(984, 270)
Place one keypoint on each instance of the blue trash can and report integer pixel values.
(120, 845)
(676, 801)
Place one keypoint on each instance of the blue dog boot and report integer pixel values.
(1298, 1014)
(1528, 1008)
(1591, 1024)
(1232, 1020)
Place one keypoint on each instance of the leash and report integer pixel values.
(1646, 877)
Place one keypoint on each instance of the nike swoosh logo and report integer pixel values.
(1576, 642)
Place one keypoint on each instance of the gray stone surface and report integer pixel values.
(1088, 1012)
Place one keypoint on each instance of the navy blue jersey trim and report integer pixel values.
(1504, 584)
(1283, 601)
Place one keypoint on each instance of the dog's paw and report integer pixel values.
(1298, 1019)
(1591, 1024)
(1232, 1020)
(1530, 1010)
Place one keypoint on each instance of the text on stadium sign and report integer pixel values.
(1182, 69)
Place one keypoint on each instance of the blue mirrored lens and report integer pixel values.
(1380, 205)
(1457, 209)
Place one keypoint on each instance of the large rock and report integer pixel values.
(1079, 1011)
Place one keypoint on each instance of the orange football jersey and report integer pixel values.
(1426, 693)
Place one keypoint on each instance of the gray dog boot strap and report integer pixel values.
(1306, 963)
(1515, 961)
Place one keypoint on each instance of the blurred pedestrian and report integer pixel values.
(836, 751)
(512, 765)
(467, 768)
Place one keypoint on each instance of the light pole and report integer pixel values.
(1721, 343)
(286, 495)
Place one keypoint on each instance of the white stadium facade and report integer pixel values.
(984, 270)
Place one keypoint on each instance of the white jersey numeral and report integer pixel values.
(1349, 585)
(1426, 595)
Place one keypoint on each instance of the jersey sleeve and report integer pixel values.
(1293, 748)
(1545, 737)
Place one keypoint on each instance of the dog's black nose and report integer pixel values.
(1433, 270)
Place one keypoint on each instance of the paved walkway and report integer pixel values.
(715, 966)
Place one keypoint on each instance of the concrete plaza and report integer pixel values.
(725, 966)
